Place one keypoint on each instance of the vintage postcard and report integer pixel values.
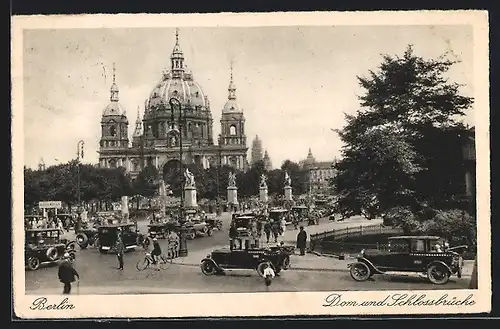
(271, 164)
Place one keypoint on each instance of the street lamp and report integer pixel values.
(175, 103)
(79, 155)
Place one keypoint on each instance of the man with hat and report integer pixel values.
(67, 273)
(120, 248)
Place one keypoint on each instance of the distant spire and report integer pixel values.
(138, 124)
(41, 164)
(232, 86)
(114, 87)
(177, 35)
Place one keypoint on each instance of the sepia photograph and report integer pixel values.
(336, 163)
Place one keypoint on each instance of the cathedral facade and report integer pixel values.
(157, 137)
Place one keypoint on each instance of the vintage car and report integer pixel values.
(276, 215)
(213, 222)
(108, 234)
(426, 255)
(87, 236)
(68, 220)
(243, 225)
(43, 246)
(223, 259)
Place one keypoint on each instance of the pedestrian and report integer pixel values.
(233, 234)
(276, 228)
(173, 244)
(156, 253)
(120, 250)
(267, 231)
(67, 273)
(268, 275)
(301, 240)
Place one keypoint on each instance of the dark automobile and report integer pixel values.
(158, 230)
(44, 245)
(108, 234)
(243, 225)
(87, 236)
(276, 215)
(428, 255)
(252, 258)
(213, 222)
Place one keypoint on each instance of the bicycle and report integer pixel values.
(162, 261)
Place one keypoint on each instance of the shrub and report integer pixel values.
(456, 225)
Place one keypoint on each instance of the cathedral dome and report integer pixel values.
(181, 86)
(178, 82)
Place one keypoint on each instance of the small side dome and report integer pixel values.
(232, 106)
(113, 108)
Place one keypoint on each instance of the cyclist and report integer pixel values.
(156, 251)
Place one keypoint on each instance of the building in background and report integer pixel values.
(256, 151)
(268, 165)
(319, 173)
(156, 139)
(41, 165)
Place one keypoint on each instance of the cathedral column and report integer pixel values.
(156, 162)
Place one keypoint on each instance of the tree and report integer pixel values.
(394, 153)
(147, 182)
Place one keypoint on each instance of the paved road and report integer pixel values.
(98, 267)
(189, 279)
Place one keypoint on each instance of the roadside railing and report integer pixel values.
(317, 239)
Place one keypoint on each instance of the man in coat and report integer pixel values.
(67, 274)
(120, 250)
(301, 241)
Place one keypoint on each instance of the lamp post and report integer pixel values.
(175, 103)
(79, 154)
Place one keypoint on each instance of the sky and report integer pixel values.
(294, 83)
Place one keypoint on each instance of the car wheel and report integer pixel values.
(33, 263)
(82, 240)
(438, 274)
(219, 226)
(71, 245)
(72, 256)
(209, 232)
(360, 272)
(191, 235)
(208, 267)
(261, 266)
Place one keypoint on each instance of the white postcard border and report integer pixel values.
(256, 304)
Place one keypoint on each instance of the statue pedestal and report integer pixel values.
(232, 195)
(125, 207)
(288, 193)
(190, 197)
(263, 194)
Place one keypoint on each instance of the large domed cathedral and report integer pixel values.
(156, 138)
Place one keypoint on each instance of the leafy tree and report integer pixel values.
(401, 150)
(147, 182)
